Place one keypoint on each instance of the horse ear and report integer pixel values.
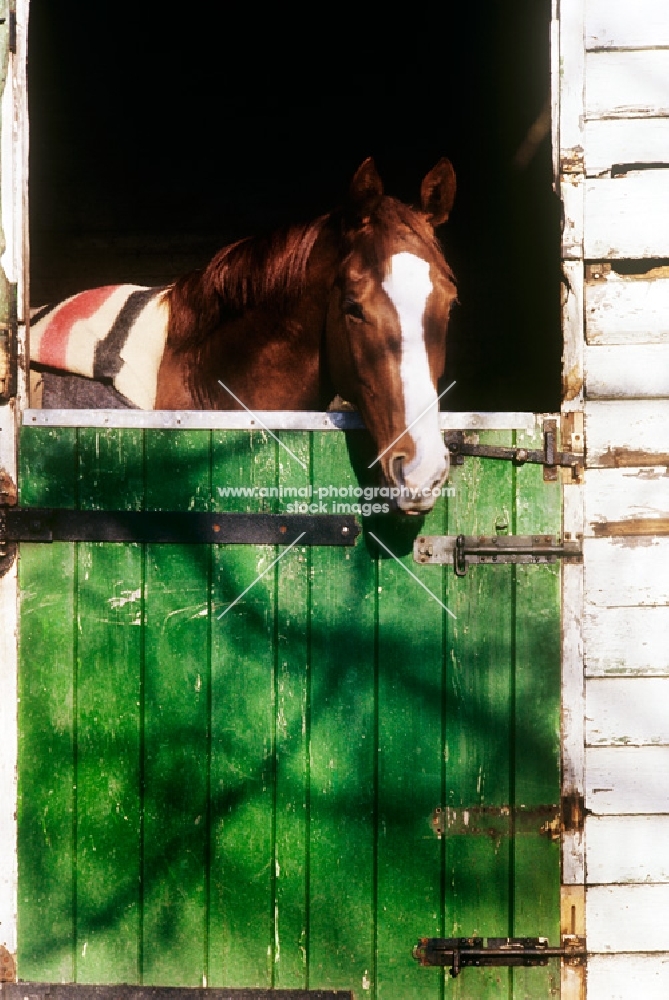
(366, 190)
(437, 192)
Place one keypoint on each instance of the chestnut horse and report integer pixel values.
(355, 303)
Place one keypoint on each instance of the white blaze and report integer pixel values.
(407, 285)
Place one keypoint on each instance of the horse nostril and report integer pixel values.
(397, 467)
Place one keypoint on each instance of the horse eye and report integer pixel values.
(353, 309)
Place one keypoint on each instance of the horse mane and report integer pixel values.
(271, 270)
(265, 270)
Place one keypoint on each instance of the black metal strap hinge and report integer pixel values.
(460, 953)
(465, 550)
(33, 524)
(81, 991)
(548, 456)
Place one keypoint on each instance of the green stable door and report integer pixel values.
(291, 793)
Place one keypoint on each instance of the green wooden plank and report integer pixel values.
(178, 473)
(176, 722)
(342, 774)
(292, 730)
(242, 762)
(48, 467)
(46, 794)
(478, 725)
(410, 757)
(109, 694)
(536, 860)
(47, 693)
(110, 469)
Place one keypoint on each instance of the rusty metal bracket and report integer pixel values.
(573, 810)
(549, 456)
(496, 822)
(467, 550)
(461, 953)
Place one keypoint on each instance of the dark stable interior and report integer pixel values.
(156, 139)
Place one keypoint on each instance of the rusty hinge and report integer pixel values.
(572, 162)
(460, 953)
(496, 822)
(573, 811)
(467, 550)
(549, 456)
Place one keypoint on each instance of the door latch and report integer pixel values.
(549, 456)
(461, 953)
(467, 550)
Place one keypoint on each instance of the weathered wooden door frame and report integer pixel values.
(13, 282)
(567, 85)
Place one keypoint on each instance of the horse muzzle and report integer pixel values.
(418, 489)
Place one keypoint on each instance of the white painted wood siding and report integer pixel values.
(611, 142)
(625, 366)
(627, 433)
(627, 572)
(627, 780)
(632, 644)
(626, 372)
(617, 500)
(628, 918)
(626, 309)
(627, 216)
(627, 849)
(628, 977)
(621, 24)
(624, 711)
(633, 84)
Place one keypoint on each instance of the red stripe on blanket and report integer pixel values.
(53, 343)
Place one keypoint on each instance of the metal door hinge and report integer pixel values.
(460, 953)
(51, 524)
(467, 550)
(549, 456)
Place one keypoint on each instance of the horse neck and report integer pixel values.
(274, 353)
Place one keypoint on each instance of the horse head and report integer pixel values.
(387, 323)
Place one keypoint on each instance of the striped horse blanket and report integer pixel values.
(115, 335)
